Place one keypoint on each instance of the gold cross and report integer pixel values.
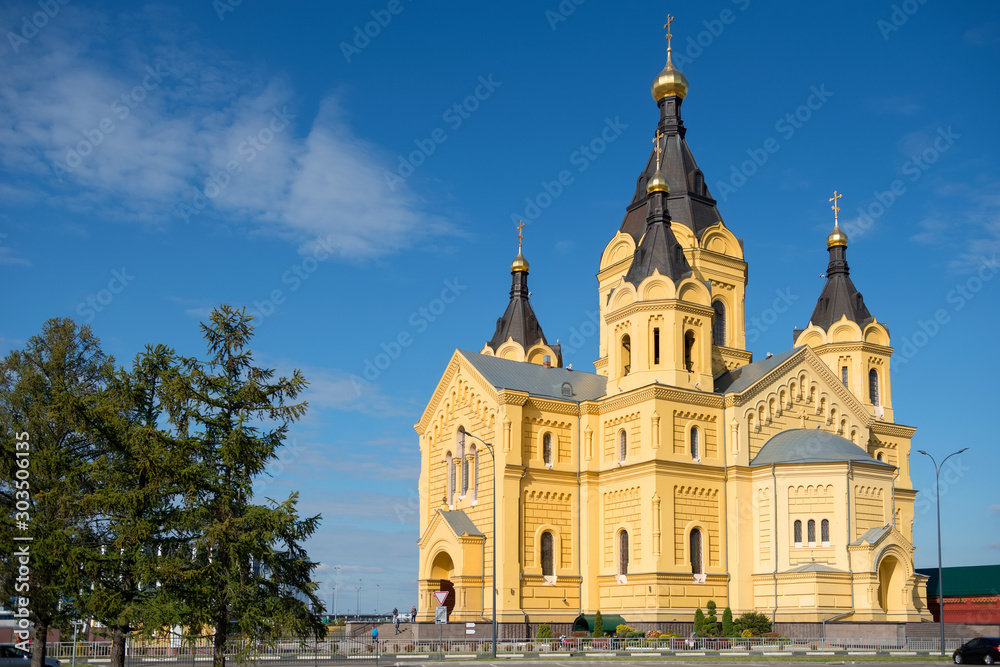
(520, 236)
(670, 19)
(656, 142)
(836, 209)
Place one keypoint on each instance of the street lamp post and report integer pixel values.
(376, 599)
(489, 448)
(937, 491)
(359, 598)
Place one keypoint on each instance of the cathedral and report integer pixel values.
(681, 470)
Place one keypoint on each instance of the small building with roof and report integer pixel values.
(971, 593)
(680, 470)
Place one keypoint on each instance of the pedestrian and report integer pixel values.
(375, 638)
(413, 614)
(396, 622)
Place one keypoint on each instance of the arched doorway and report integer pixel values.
(443, 569)
(891, 576)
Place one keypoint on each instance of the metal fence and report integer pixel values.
(139, 651)
(364, 649)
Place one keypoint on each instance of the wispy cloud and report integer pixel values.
(168, 131)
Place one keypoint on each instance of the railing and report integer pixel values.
(359, 648)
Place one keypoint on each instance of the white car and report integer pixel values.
(11, 656)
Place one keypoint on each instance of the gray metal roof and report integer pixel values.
(537, 380)
(740, 379)
(872, 535)
(803, 445)
(814, 567)
(460, 523)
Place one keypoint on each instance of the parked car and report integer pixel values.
(12, 656)
(980, 649)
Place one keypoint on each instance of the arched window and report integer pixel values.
(626, 354)
(678, 254)
(689, 351)
(697, 562)
(797, 530)
(873, 386)
(656, 345)
(879, 457)
(824, 530)
(622, 445)
(547, 565)
(719, 325)
(451, 478)
(464, 461)
(695, 443)
(811, 532)
(843, 375)
(623, 552)
(547, 449)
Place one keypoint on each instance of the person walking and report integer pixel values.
(375, 638)
(413, 614)
(396, 622)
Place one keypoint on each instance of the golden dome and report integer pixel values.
(657, 183)
(670, 82)
(519, 263)
(836, 237)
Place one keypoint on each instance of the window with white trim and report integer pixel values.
(547, 449)
(697, 555)
(695, 443)
(548, 566)
(797, 533)
(622, 445)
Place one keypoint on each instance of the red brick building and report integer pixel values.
(971, 594)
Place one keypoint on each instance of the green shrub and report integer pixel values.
(711, 624)
(699, 622)
(599, 625)
(544, 631)
(623, 630)
(758, 624)
(727, 623)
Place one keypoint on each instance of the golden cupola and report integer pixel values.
(670, 82)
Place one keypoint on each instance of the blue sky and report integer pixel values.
(359, 190)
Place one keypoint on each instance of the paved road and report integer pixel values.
(393, 661)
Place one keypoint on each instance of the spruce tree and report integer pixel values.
(43, 506)
(699, 622)
(139, 479)
(250, 575)
(598, 625)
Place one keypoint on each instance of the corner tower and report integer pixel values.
(519, 335)
(845, 335)
(675, 265)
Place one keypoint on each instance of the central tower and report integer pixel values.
(672, 281)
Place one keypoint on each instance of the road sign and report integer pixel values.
(441, 615)
(441, 596)
(470, 625)
(470, 632)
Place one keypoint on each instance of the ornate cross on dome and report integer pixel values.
(657, 148)
(670, 19)
(520, 236)
(836, 209)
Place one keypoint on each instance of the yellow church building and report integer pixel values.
(681, 471)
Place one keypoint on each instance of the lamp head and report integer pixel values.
(923, 452)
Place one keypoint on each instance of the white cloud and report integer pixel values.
(136, 131)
